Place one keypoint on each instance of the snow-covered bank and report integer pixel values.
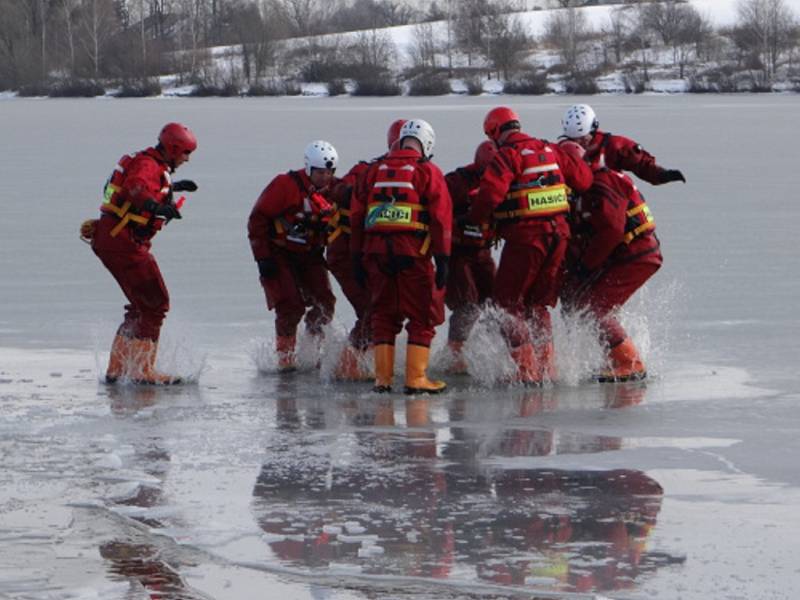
(714, 63)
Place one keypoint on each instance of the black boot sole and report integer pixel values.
(411, 391)
(627, 378)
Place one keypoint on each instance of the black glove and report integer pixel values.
(184, 185)
(359, 272)
(672, 175)
(442, 263)
(267, 268)
(167, 211)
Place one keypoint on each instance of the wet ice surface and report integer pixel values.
(252, 485)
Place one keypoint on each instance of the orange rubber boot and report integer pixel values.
(384, 368)
(417, 381)
(545, 355)
(119, 359)
(284, 346)
(624, 364)
(350, 366)
(458, 366)
(528, 371)
(143, 369)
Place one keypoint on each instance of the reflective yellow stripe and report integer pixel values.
(541, 169)
(640, 208)
(541, 202)
(109, 192)
(426, 243)
(127, 219)
(648, 225)
(334, 234)
(397, 214)
(629, 237)
(118, 210)
(119, 226)
(411, 205)
(394, 184)
(124, 215)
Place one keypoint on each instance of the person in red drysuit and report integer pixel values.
(615, 152)
(287, 230)
(401, 215)
(350, 366)
(472, 268)
(138, 202)
(524, 189)
(613, 252)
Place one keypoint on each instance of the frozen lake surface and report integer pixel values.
(254, 485)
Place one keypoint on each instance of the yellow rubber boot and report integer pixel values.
(143, 370)
(417, 381)
(350, 366)
(624, 364)
(284, 346)
(384, 368)
(458, 366)
(528, 371)
(119, 359)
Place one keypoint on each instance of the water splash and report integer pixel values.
(177, 356)
(647, 318)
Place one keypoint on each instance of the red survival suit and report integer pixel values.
(122, 239)
(338, 256)
(525, 189)
(472, 268)
(613, 252)
(401, 216)
(619, 153)
(289, 224)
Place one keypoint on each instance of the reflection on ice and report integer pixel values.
(398, 502)
(522, 491)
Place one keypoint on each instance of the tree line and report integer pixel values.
(80, 47)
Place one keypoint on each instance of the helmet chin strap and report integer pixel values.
(163, 152)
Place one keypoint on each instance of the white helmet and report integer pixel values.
(578, 121)
(422, 131)
(320, 154)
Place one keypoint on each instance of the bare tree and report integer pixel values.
(370, 14)
(765, 28)
(616, 31)
(470, 26)
(374, 49)
(256, 31)
(424, 46)
(68, 8)
(679, 26)
(568, 31)
(306, 17)
(97, 24)
(640, 33)
(506, 41)
(14, 43)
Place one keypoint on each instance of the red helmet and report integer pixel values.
(484, 154)
(496, 119)
(176, 139)
(573, 149)
(394, 132)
